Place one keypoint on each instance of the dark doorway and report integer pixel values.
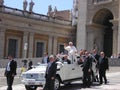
(62, 50)
(39, 49)
(108, 40)
(103, 17)
(12, 47)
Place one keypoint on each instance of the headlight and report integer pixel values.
(23, 76)
(41, 76)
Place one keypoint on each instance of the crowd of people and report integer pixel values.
(115, 56)
(85, 57)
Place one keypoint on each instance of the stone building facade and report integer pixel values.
(98, 25)
(95, 23)
(29, 35)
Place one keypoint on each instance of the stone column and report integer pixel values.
(55, 45)
(50, 44)
(81, 25)
(2, 42)
(25, 48)
(118, 39)
(31, 40)
(119, 29)
(90, 40)
(115, 36)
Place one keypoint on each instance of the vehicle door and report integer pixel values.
(65, 71)
(76, 70)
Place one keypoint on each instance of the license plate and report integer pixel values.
(31, 81)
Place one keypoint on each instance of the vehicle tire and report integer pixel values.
(30, 87)
(57, 83)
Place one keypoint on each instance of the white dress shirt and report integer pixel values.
(8, 66)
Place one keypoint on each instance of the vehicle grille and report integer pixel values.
(31, 76)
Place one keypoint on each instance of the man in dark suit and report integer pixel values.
(50, 73)
(10, 71)
(87, 69)
(30, 65)
(65, 59)
(103, 66)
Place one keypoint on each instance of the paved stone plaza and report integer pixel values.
(112, 75)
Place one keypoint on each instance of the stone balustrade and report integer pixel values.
(27, 14)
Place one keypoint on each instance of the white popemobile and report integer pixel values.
(66, 73)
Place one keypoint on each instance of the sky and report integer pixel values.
(41, 6)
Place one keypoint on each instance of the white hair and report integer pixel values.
(71, 43)
(51, 56)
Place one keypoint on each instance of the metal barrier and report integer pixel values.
(3, 62)
(114, 62)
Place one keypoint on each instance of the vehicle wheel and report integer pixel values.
(30, 87)
(57, 83)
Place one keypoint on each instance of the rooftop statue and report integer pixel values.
(1, 2)
(25, 3)
(49, 10)
(55, 10)
(31, 4)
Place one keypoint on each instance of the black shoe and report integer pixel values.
(88, 86)
(106, 82)
(97, 80)
(83, 86)
(100, 83)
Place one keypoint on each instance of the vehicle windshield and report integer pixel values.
(41, 66)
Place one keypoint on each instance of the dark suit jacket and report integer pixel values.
(51, 71)
(68, 61)
(97, 58)
(103, 64)
(87, 64)
(13, 67)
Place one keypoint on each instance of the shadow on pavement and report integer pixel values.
(76, 86)
(71, 86)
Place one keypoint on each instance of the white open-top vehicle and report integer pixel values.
(66, 73)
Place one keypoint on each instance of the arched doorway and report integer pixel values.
(103, 17)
